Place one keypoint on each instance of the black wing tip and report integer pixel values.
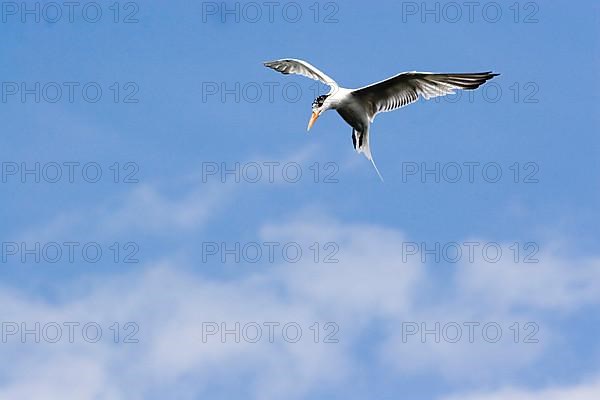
(484, 73)
(477, 79)
(278, 61)
(490, 74)
(274, 65)
(485, 76)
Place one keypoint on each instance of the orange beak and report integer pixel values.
(313, 118)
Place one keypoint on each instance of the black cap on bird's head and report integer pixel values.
(316, 105)
(319, 101)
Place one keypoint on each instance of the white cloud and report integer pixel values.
(370, 288)
(152, 208)
(145, 209)
(554, 283)
(169, 306)
(583, 391)
(501, 294)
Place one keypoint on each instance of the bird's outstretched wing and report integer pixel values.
(293, 66)
(406, 88)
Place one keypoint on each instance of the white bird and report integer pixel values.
(358, 107)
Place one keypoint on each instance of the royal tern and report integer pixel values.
(358, 107)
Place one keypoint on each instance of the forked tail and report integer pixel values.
(361, 145)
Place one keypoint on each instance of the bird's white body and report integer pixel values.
(358, 107)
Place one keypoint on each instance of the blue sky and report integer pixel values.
(165, 132)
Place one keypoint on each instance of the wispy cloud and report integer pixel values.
(369, 289)
(587, 390)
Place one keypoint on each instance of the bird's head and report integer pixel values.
(318, 107)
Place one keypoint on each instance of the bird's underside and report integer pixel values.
(358, 107)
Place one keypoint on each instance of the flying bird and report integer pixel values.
(358, 107)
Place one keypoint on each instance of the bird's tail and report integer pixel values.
(361, 145)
